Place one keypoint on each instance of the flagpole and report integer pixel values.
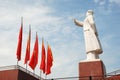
(22, 20)
(34, 71)
(17, 62)
(45, 77)
(26, 66)
(34, 57)
(28, 49)
(46, 62)
(19, 48)
(40, 74)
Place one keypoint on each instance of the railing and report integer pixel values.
(113, 77)
(8, 67)
(86, 78)
(114, 72)
(20, 68)
(108, 76)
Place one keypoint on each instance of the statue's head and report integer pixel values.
(89, 12)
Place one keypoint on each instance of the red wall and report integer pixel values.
(16, 74)
(9, 75)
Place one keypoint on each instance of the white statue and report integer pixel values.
(92, 43)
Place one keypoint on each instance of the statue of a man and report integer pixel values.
(92, 43)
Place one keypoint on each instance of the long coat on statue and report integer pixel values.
(92, 42)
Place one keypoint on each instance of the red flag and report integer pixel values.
(43, 56)
(49, 60)
(19, 47)
(34, 59)
(27, 56)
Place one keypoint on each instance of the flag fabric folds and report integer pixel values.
(34, 59)
(43, 57)
(19, 47)
(49, 62)
(27, 56)
(46, 59)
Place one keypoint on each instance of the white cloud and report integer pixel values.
(106, 7)
(96, 1)
(100, 2)
(115, 1)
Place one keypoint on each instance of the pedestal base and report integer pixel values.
(93, 68)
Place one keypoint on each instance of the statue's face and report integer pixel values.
(89, 13)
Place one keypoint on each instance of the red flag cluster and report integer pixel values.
(46, 63)
(46, 59)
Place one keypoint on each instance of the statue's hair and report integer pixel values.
(90, 11)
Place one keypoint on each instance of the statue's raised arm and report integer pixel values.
(79, 23)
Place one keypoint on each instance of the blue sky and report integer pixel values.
(52, 20)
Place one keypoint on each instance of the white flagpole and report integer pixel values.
(34, 71)
(40, 75)
(45, 77)
(26, 66)
(17, 62)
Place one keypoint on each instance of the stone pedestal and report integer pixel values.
(94, 68)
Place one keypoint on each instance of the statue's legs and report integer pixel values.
(92, 56)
